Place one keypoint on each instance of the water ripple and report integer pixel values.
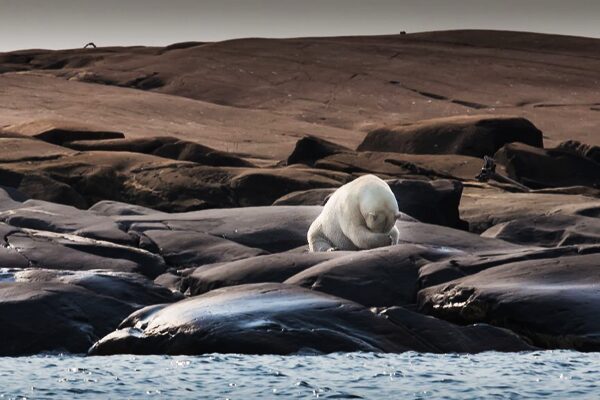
(533, 375)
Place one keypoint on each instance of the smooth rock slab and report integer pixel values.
(381, 277)
(548, 231)
(553, 302)
(256, 319)
(132, 288)
(183, 249)
(268, 268)
(460, 266)
(71, 252)
(273, 229)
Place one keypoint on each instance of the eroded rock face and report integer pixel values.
(553, 302)
(475, 136)
(256, 319)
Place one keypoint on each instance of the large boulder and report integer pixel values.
(433, 202)
(256, 319)
(553, 302)
(311, 148)
(540, 168)
(473, 135)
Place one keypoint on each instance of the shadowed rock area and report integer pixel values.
(156, 200)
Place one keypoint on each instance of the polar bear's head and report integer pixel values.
(378, 207)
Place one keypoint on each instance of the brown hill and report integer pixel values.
(258, 96)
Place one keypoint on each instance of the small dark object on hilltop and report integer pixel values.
(403, 32)
(90, 44)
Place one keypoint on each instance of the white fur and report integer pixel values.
(359, 215)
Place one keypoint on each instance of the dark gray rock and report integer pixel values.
(183, 249)
(10, 198)
(273, 229)
(445, 337)
(256, 319)
(444, 238)
(433, 202)
(131, 288)
(548, 231)
(311, 148)
(553, 302)
(41, 316)
(58, 218)
(71, 252)
(110, 208)
(267, 268)
(374, 278)
(460, 266)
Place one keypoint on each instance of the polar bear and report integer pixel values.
(359, 215)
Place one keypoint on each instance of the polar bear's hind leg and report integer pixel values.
(317, 241)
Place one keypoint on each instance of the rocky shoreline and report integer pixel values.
(115, 242)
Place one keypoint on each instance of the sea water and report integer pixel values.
(491, 375)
